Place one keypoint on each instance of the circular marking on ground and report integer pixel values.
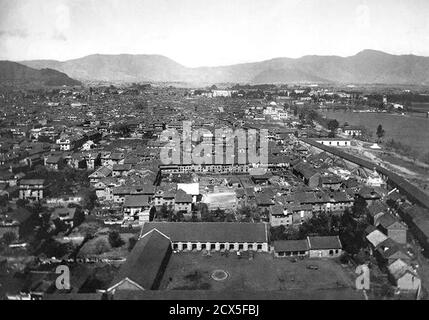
(219, 275)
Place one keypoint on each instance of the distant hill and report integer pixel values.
(15, 74)
(366, 67)
(122, 67)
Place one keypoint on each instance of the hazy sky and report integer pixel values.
(211, 32)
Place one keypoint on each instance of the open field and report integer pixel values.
(193, 271)
(413, 129)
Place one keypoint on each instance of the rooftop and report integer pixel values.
(326, 242)
(145, 261)
(210, 231)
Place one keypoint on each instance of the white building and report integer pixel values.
(221, 93)
(88, 145)
(334, 142)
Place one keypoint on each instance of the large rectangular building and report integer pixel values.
(215, 236)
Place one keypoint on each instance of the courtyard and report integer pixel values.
(262, 272)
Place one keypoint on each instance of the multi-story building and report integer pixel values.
(31, 189)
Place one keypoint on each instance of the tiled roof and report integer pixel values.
(291, 245)
(377, 207)
(326, 242)
(121, 167)
(101, 173)
(386, 220)
(145, 261)
(32, 181)
(210, 231)
(182, 197)
(136, 201)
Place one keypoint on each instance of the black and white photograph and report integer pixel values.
(196, 151)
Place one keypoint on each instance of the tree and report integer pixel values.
(352, 232)
(89, 230)
(206, 216)
(21, 203)
(380, 132)
(131, 243)
(44, 226)
(295, 111)
(320, 224)
(166, 213)
(152, 213)
(219, 215)
(278, 233)
(79, 217)
(284, 233)
(3, 201)
(333, 125)
(115, 239)
(194, 217)
(366, 134)
(9, 237)
(101, 246)
(245, 212)
(359, 209)
(312, 115)
(52, 248)
(230, 217)
(256, 217)
(162, 213)
(90, 199)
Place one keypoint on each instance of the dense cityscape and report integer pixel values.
(83, 185)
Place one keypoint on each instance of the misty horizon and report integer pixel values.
(208, 33)
(211, 66)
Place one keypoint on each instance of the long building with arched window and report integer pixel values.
(214, 236)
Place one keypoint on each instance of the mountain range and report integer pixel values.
(15, 74)
(366, 67)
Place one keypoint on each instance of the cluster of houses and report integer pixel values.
(387, 238)
(312, 246)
